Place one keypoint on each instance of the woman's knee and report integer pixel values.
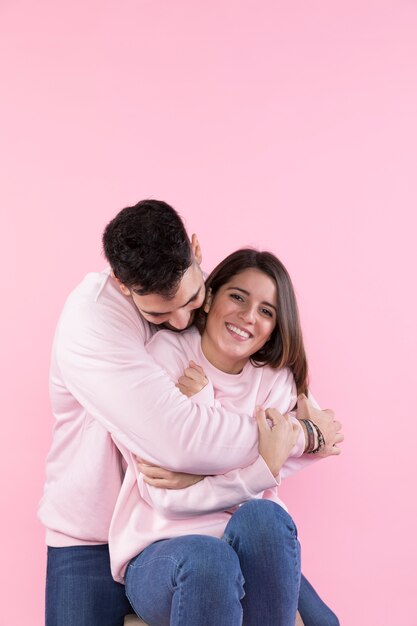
(198, 565)
(258, 517)
(211, 559)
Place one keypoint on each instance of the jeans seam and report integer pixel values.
(134, 565)
(132, 605)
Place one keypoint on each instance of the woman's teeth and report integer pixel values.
(238, 331)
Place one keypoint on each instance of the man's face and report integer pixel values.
(176, 313)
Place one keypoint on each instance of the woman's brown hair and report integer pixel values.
(285, 347)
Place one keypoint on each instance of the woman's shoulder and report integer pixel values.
(277, 374)
(278, 387)
(172, 351)
(168, 339)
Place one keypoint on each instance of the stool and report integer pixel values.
(132, 620)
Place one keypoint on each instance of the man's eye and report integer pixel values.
(152, 316)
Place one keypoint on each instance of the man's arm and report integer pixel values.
(102, 361)
(307, 408)
(219, 493)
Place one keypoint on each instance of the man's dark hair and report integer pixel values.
(148, 248)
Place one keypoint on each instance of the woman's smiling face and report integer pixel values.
(240, 320)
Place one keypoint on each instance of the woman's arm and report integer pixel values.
(220, 493)
(179, 495)
(213, 493)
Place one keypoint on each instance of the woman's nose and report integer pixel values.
(248, 314)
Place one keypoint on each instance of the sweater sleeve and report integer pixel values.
(173, 352)
(102, 361)
(213, 493)
(219, 493)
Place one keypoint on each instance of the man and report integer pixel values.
(104, 385)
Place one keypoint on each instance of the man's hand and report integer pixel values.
(277, 437)
(330, 428)
(193, 380)
(165, 479)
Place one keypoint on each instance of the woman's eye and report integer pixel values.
(267, 312)
(236, 296)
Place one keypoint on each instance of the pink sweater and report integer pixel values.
(104, 384)
(145, 514)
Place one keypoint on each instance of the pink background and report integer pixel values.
(286, 125)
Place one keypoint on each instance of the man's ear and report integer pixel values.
(208, 301)
(125, 290)
(195, 247)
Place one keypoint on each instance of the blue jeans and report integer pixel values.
(251, 576)
(80, 590)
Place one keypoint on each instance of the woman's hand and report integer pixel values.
(330, 428)
(193, 380)
(277, 440)
(165, 479)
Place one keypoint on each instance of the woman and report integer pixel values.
(252, 351)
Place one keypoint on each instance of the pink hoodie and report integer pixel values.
(103, 383)
(145, 514)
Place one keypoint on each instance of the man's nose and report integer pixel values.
(179, 319)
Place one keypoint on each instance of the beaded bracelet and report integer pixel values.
(315, 437)
(321, 443)
(311, 444)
